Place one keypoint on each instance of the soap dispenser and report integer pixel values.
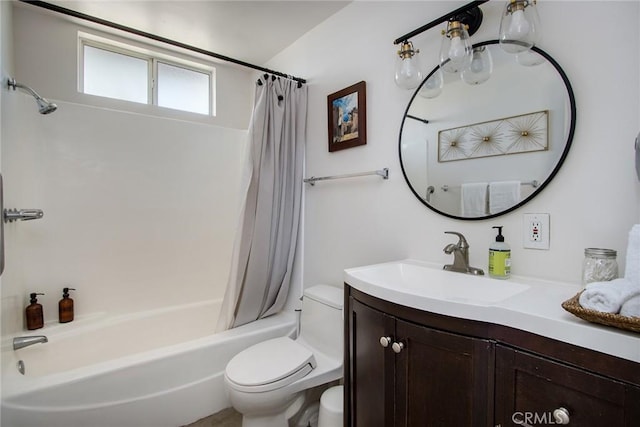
(499, 257)
(65, 307)
(35, 317)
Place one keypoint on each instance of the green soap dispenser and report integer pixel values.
(499, 257)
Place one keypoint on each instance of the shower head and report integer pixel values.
(44, 106)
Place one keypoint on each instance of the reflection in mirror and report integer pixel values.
(481, 150)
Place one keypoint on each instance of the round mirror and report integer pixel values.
(477, 151)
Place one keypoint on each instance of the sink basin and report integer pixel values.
(427, 280)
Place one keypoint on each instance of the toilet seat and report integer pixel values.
(269, 365)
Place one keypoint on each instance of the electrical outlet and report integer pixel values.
(535, 231)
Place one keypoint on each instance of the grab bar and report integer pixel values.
(384, 173)
(11, 215)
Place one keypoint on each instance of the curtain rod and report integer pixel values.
(439, 21)
(155, 37)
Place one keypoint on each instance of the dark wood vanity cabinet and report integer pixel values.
(442, 379)
(405, 367)
(405, 374)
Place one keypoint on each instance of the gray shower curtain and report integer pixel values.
(266, 241)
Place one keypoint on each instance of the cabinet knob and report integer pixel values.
(397, 347)
(561, 416)
(385, 341)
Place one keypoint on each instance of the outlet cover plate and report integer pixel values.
(536, 231)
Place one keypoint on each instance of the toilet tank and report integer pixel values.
(321, 324)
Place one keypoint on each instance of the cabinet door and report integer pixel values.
(443, 379)
(530, 388)
(371, 367)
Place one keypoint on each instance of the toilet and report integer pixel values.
(266, 382)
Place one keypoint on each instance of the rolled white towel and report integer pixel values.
(631, 308)
(608, 297)
(632, 269)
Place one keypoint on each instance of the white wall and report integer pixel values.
(47, 56)
(140, 209)
(593, 201)
(5, 69)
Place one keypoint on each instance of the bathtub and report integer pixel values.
(158, 368)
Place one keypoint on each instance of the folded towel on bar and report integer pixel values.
(632, 267)
(473, 199)
(631, 308)
(609, 297)
(503, 195)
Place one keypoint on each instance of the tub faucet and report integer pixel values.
(460, 253)
(21, 342)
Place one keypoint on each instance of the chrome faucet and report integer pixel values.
(22, 342)
(460, 253)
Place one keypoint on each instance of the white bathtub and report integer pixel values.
(155, 369)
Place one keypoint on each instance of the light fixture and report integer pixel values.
(408, 73)
(432, 87)
(455, 52)
(468, 18)
(519, 26)
(480, 68)
(519, 32)
(529, 58)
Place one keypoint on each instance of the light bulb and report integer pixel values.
(480, 69)
(457, 50)
(519, 27)
(408, 75)
(529, 58)
(433, 86)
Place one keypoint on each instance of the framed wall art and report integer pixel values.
(347, 117)
(511, 135)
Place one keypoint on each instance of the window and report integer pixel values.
(183, 89)
(142, 76)
(115, 75)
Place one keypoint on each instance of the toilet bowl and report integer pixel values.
(266, 382)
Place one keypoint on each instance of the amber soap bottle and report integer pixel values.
(35, 317)
(65, 307)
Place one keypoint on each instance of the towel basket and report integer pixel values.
(573, 306)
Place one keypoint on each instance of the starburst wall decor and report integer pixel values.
(512, 135)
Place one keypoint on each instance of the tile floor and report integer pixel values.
(225, 418)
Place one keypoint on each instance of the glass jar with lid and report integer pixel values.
(600, 265)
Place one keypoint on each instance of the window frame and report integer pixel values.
(153, 57)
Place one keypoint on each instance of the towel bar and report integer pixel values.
(384, 173)
(533, 183)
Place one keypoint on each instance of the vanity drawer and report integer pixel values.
(529, 389)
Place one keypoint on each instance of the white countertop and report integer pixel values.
(536, 308)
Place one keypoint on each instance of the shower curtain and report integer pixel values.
(266, 241)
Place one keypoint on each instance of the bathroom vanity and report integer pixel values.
(420, 353)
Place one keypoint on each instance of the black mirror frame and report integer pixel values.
(572, 127)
